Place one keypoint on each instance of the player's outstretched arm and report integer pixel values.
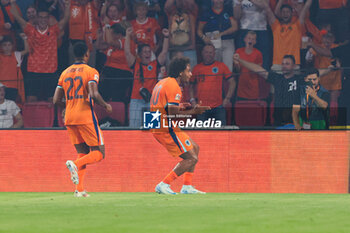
(251, 66)
(95, 95)
(130, 58)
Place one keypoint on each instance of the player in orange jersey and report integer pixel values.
(78, 83)
(165, 100)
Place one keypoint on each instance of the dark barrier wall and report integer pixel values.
(229, 161)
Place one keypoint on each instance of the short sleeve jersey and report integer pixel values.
(285, 89)
(43, 54)
(116, 57)
(8, 110)
(286, 40)
(166, 92)
(209, 81)
(253, 17)
(79, 106)
(146, 32)
(248, 85)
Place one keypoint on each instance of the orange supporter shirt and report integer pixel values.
(146, 32)
(150, 75)
(331, 4)
(83, 21)
(10, 73)
(331, 81)
(79, 106)
(116, 57)
(166, 92)
(248, 85)
(43, 48)
(286, 40)
(209, 82)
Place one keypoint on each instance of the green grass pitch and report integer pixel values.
(150, 212)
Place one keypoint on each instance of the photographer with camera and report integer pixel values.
(310, 109)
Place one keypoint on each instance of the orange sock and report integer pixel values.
(170, 177)
(92, 157)
(188, 178)
(81, 174)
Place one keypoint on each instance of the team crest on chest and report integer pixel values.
(75, 12)
(215, 70)
(150, 67)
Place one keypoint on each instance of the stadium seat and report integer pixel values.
(250, 113)
(100, 112)
(118, 112)
(38, 114)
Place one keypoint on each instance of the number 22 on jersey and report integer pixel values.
(76, 84)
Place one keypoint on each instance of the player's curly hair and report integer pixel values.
(178, 65)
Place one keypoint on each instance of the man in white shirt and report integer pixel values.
(9, 111)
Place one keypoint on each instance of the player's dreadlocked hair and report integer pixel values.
(178, 65)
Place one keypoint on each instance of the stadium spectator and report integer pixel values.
(285, 87)
(146, 29)
(9, 111)
(297, 6)
(84, 23)
(110, 14)
(207, 83)
(249, 83)
(153, 7)
(342, 53)
(42, 59)
(287, 34)
(310, 107)
(216, 26)
(335, 13)
(10, 68)
(145, 75)
(116, 83)
(32, 16)
(24, 4)
(253, 18)
(332, 82)
(182, 16)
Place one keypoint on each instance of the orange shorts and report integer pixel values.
(90, 134)
(176, 143)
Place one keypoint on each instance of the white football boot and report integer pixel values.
(81, 194)
(73, 171)
(189, 189)
(163, 188)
